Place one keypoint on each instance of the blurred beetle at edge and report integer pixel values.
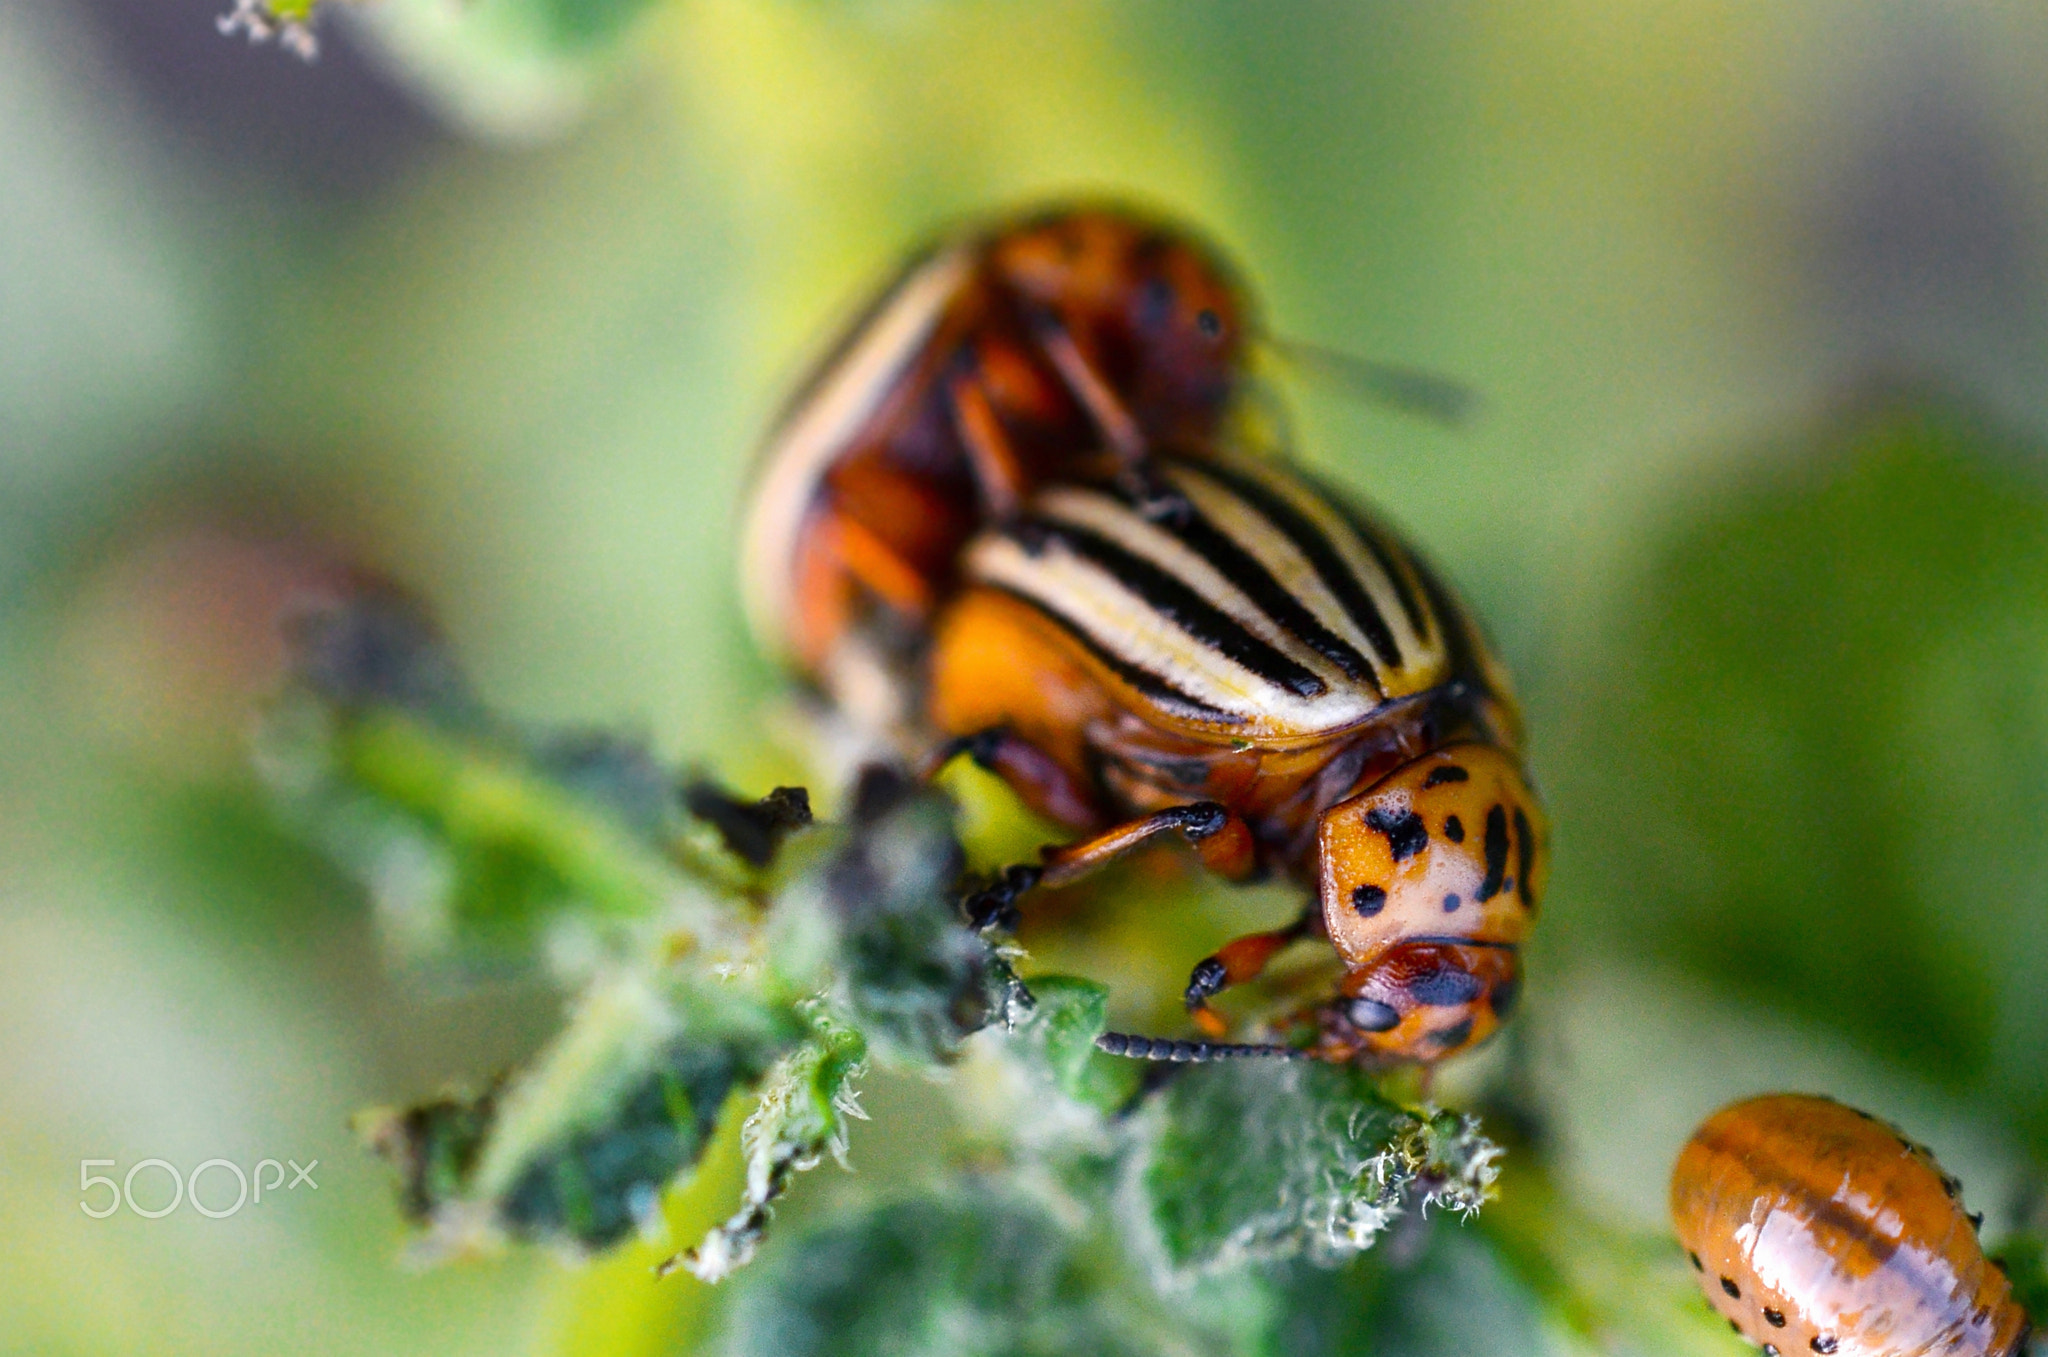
(1816, 1228)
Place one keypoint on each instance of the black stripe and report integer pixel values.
(1496, 854)
(1316, 547)
(1193, 530)
(1527, 841)
(1144, 680)
(1382, 552)
(1174, 599)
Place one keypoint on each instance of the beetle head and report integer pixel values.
(1160, 314)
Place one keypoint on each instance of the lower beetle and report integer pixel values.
(1219, 648)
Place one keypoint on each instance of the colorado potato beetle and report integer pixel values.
(1816, 1228)
(1062, 345)
(1011, 520)
(1231, 653)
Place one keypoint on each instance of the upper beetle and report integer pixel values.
(1064, 344)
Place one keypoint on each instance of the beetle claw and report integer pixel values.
(995, 906)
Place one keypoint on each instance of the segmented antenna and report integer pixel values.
(1190, 1052)
(1410, 390)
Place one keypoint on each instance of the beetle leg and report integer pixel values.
(1222, 839)
(1118, 428)
(1206, 825)
(1234, 963)
(998, 471)
(1037, 775)
(876, 565)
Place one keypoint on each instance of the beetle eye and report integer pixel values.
(1370, 1015)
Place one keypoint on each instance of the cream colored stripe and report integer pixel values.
(815, 434)
(1274, 550)
(1423, 658)
(1122, 624)
(1107, 518)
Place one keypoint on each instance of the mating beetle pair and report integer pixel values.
(1011, 517)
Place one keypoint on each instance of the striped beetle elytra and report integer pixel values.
(1012, 517)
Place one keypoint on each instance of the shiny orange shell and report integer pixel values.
(1816, 1228)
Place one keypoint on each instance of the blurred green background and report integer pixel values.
(497, 296)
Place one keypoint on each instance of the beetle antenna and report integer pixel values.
(1434, 397)
(1190, 1052)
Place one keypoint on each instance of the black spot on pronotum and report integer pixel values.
(1450, 772)
(1451, 902)
(1370, 1015)
(1734, 1291)
(1774, 1318)
(1496, 854)
(1454, 829)
(1824, 1344)
(1697, 1265)
(1526, 841)
(1406, 834)
(1368, 900)
(1445, 987)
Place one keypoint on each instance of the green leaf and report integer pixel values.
(867, 912)
(1812, 755)
(1258, 1160)
(474, 838)
(971, 1274)
(1058, 1037)
(1434, 1289)
(578, 1148)
(806, 1104)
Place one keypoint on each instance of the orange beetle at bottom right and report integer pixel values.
(1816, 1228)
